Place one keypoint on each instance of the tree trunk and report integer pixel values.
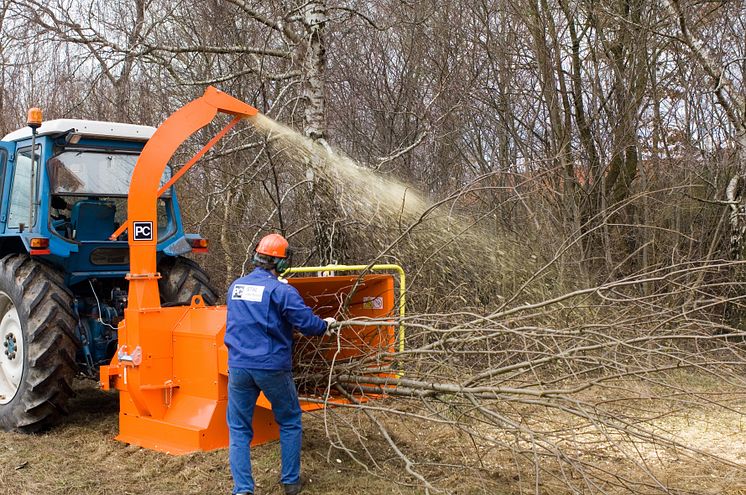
(735, 195)
(325, 210)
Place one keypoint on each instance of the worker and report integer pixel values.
(262, 313)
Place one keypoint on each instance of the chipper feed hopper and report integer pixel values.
(171, 364)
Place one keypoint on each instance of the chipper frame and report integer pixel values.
(171, 365)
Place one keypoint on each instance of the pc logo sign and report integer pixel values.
(143, 231)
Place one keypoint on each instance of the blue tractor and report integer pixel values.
(62, 280)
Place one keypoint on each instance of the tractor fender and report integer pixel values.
(14, 244)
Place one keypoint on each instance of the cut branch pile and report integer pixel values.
(587, 392)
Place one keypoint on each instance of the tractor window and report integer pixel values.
(87, 218)
(20, 195)
(165, 227)
(94, 173)
(3, 165)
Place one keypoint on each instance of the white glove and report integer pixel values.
(330, 330)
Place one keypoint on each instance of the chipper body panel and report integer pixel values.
(349, 296)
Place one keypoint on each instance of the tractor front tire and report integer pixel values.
(181, 279)
(37, 353)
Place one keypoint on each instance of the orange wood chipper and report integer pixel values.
(171, 365)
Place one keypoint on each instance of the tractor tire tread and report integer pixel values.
(44, 305)
(182, 279)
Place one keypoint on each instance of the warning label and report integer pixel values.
(372, 303)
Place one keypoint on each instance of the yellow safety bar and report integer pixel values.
(357, 268)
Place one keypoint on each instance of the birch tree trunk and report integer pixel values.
(325, 210)
(735, 195)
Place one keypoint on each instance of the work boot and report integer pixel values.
(292, 488)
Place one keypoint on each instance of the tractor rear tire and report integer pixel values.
(182, 279)
(37, 354)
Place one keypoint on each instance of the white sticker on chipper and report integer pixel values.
(372, 303)
(251, 293)
(143, 231)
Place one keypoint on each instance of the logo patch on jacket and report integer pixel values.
(252, 293)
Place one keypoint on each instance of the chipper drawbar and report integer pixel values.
(171, 364)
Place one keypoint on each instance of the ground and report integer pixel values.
(81, 457)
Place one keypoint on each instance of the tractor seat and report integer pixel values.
(92, 220)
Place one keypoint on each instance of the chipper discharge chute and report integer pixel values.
(171, 365)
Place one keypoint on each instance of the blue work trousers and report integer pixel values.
(244, 386)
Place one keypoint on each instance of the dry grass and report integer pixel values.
(81, 456)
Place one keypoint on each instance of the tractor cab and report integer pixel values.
(64, 202)
(65, 185)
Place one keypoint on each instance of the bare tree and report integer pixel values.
(725, 76)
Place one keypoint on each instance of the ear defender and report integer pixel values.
(282, 265)
(286, 262)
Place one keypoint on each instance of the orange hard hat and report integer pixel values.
(273, 245)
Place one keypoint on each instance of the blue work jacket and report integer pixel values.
(262, 312)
